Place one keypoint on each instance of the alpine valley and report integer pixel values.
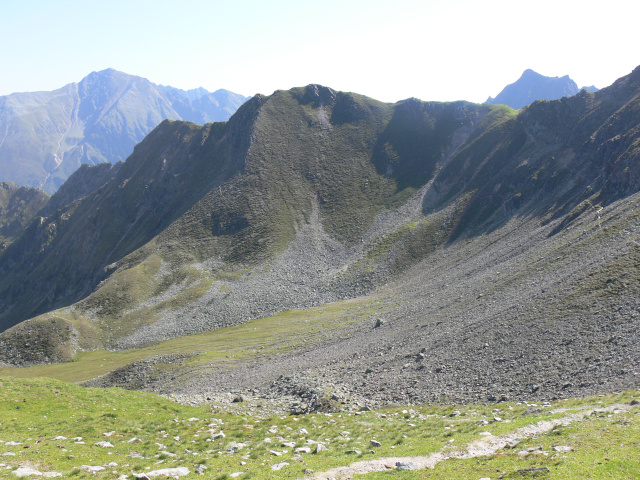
(325, 247)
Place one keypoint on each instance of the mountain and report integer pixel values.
(494, 250)
(18, 206)
(532, 86)
(46, 136)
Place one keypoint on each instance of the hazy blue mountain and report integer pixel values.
(532, 86)
(46, 136)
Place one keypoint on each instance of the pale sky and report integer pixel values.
(389, 50)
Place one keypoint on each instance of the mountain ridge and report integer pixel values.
(98, 119)
(532, 86)
(486, 236)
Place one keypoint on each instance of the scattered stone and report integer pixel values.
(406, 466)
(320, 448)
(275, 453)
(135, 440)
(375, 443)
(634, 403)
(302, 450)
(108, 434)
(279, 466)
(168, 472)
(379, 323)
(169, 454)
(535, 469)
(104, 444)
(92, 468)
(26, 472)
(12, 444)
(236, 474)
(353, 452)
(200, 469)
(562, 448)
(303, 431)
(60, 437)
(218, 435)
(238, 399)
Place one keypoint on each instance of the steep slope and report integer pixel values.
(532, 86)
(18, 206)
(46, 136)
(311, 196)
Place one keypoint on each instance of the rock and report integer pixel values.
(169, 472)
(238, 399)
(302, 450)
(200, 469)
(134, 440)
(236, 474)
(536, 469)
(275, 453)
(279, 466)
(26, 472)
(308, 471)
(104, 444)
(634, 403)
(303, 431)
(92, 468)
(12, 444)
(320, 448)
(168, 454)
(562, 448)
(60, 437)
(379, 323)
(406, 466)
(108, 434)
(375, 443)
(353, 452)
(215, 436)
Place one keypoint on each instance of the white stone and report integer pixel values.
(279, 466)
(26, 472)
(104, 444)
(169, 472)
(92, 468)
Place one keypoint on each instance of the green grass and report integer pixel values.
(33, 412)
(283, 332)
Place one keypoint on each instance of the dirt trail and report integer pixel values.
(482, 447)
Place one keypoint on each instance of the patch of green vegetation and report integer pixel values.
(45, 417)
(281, 333)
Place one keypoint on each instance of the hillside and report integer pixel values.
(46, 136)
(18, 206)
(532, 86)
(497, 248)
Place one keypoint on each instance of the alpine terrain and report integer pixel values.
(326, 247)
(46, 136)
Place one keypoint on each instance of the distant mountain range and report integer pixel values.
(532, 86)
(46, 136)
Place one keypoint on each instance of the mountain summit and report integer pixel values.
(532, 86)
(46, 136)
